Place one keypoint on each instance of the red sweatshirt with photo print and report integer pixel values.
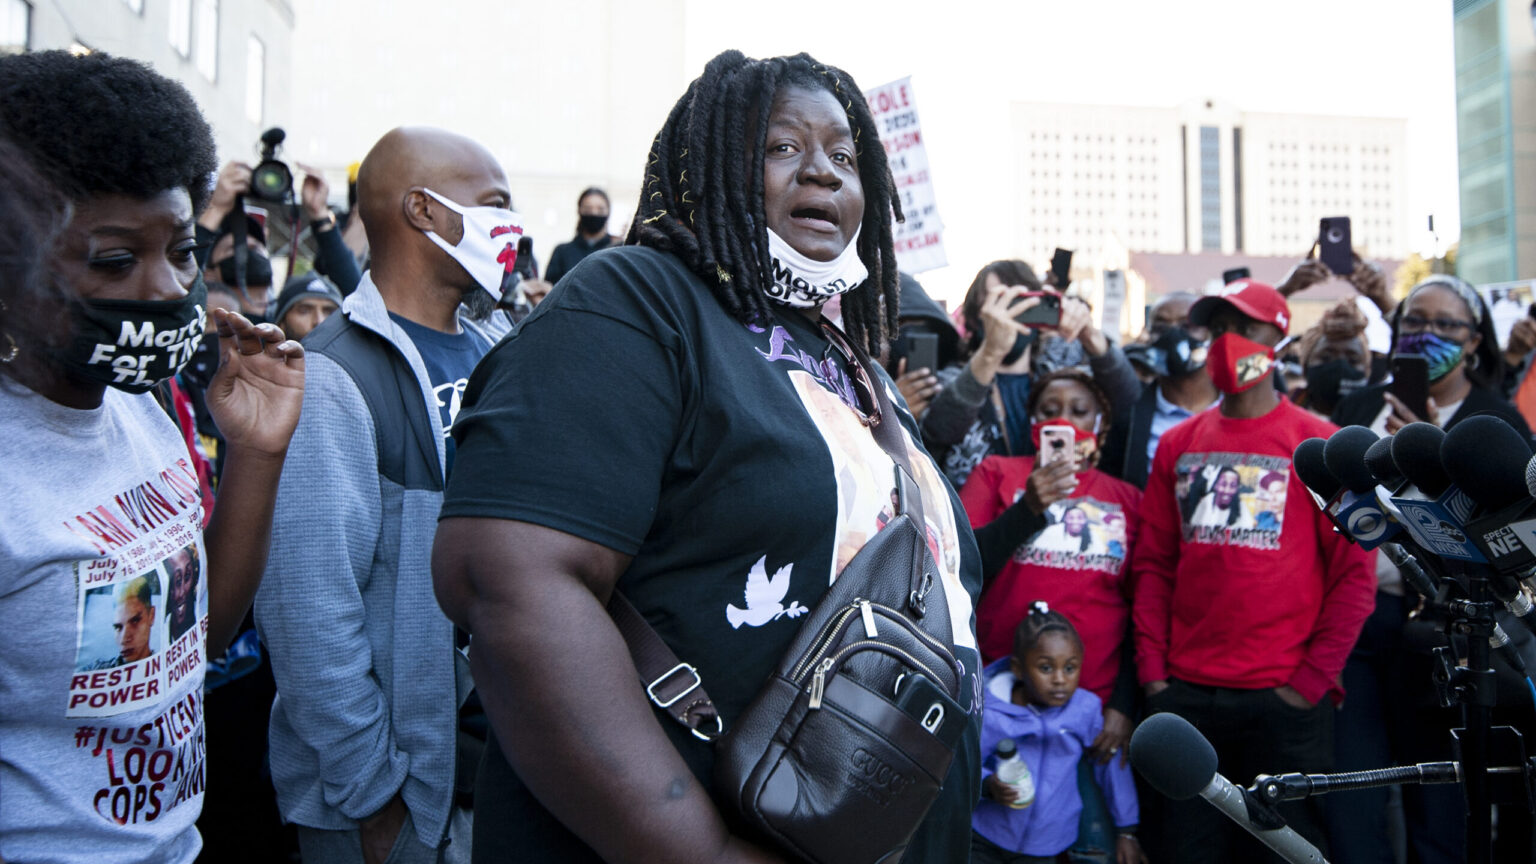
(1239, 579)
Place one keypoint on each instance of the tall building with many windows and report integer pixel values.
(1496, 139)
(1205, 177)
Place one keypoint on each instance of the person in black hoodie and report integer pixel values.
(920, 314)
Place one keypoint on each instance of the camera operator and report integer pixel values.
(332, 257)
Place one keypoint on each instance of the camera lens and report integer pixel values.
(271, 181)
(1335, 235)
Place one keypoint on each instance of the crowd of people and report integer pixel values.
(323, 568)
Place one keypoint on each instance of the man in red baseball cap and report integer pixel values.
(1247, 602)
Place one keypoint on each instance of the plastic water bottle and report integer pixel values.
(1012, 771)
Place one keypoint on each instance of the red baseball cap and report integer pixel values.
(1255, 299)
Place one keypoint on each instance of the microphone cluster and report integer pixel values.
(1463, 500)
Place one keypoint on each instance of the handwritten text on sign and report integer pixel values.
(920, 239)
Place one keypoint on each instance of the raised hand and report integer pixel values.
(256, 395)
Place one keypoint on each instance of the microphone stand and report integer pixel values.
(1473, 686)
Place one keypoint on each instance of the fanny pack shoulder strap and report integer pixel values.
(671, 684)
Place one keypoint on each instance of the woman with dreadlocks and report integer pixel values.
(706, 448)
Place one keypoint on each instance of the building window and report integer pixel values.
(15, 26)
(181, 27)
(207, 45)
(255, 80)
(1210, 188)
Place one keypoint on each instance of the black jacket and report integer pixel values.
(1125, 449)
(1361, 407)
(568, 255)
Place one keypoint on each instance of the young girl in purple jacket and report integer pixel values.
(1032, 698)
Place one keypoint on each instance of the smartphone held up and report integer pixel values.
(1333, 245)
(1046, 313)
(1057, 444)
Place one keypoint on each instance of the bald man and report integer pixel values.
(364, 726)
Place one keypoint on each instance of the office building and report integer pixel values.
(1496, 139)
(1205, 177)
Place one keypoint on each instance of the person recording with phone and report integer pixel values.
(926, 343)
(981, 409)
(1444, 321)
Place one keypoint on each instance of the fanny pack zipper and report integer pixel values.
(828, 664)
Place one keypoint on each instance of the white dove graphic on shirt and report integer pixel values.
(765, 597)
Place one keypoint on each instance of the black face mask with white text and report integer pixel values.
(133, 345)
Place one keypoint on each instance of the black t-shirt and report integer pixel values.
(449, 358)
(722, 458)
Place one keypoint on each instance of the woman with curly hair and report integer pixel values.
(103, 166)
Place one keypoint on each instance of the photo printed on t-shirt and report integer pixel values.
(1232, 499)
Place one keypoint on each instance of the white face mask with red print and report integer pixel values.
(488, 249)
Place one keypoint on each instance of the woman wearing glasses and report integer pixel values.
(1444, 320)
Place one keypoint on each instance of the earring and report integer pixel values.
(1472, 361)
(12, 350)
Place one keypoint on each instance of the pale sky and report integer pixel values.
(968, 60)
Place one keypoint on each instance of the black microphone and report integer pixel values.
(1378, 460)
(1484, 456)
(1430, 506)
(1177, 760)
(1360, 509)
(1487, 458)
(1312, 467)
(1416, 453)
(1344, 454)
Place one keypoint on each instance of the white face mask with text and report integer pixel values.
(805, 282)
(488, 249)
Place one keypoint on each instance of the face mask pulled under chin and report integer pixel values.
(133, 345)
(1237, 364)
(803, 282)
(488, 249)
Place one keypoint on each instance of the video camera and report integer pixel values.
(271, 179)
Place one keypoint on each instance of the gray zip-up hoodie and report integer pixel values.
(363, 656)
